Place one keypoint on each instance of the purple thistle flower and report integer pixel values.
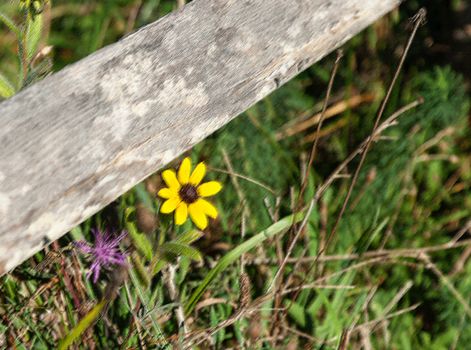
(104, 252)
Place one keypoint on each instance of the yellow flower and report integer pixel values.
(185, 194)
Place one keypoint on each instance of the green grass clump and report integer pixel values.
(396, 274)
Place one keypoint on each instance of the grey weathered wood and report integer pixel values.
(72, 143)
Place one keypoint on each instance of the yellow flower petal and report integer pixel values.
(170, 179)
(170, 205)
(209, 188)
(181, 214)
(197, 216)
(184, 171)
(167, 193)
(207, 208)
(198, 174)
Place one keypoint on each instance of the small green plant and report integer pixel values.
(149, 256)
(32, 61)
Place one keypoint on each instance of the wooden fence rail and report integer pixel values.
(74, 142)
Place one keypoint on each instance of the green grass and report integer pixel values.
(374, 282)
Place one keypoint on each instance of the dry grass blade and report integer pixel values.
(391, 121)
(330, 112)
(444, 279)
(305, 181)
(196, 338)
(317, 286)
(180, 4)
(374, 322)
(320, 191)
(418, 19)
(246, 178)
(382, 253)
(174, 296)
(243, 200)
(326, 131)
(278, 318)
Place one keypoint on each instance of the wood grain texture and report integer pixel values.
(72, 143)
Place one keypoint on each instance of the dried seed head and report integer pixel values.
(244, 284)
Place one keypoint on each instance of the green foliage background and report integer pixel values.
(413, 191)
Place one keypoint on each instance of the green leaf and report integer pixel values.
(77, 233)
(144, 296)
(144, 196)
(140, 270)
(278, 227)
(189, 237)
(183, 269)
(367, 238)
(84, 323)
(128, 211)
(6, 88)
(33, 35)
(186, 238)
(10, 24)
(140, 241)
(179, 249)
(297, 312)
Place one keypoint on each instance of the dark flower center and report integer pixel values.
(188, 193)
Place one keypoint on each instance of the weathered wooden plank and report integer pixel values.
(72, 143)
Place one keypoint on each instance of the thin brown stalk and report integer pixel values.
(466, 229)
(243, 200)
(326, 131)
(459, 265)
(180, 4)
(246, 178)
(317, 286)
(336, 174)
(278, 275)
(330, 112)
(195, 338)
(212, 301)
(444, 279)
(174, 296)
(386, 124)
(382, 253)
(419, 19)
(235, 182)
(133, 12)
(305, 335)
(391, 121)
(306, 175)
(242, 237)
(133, 322)
(376, 321)
(435, 140)
(377, 260)
(348, 331)
(312, 155)
(399, 295)
(66, 278)
(394, 301)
